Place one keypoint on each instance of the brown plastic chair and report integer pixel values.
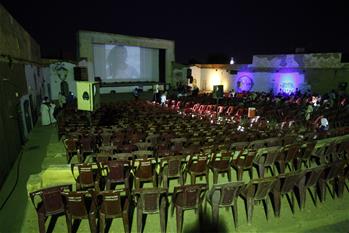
(113, 205)
(266, 157)
(342, 181)
(118, 171)
(288, 156)
(171, 167)
(305, 155)
(312, 177)
(50, 203)
(151, 201)
(197, 166)
(80, 205)
(288, 184)
(243, 162)
(87, 146)
(331, 175)
(87, 178)
(187, 197)
(258, 190)
(145, 171)
(220, 165)
(224, 195)
(71, 148)
(106, 139)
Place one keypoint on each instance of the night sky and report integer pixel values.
(203, 32)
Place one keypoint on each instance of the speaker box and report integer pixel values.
(80, 73)
(87, 94)
(218, 91)
(188, 73)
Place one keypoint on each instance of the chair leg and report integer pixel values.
(277, 203)
(250, 206)
(266, 206)
(179, 219)
(163, 219)
(160, 180)
(165, 182)
(137, 183)
(69, 222)
(193, 178)
(107, 184)
(229, 174)
(235, 214)
(155, 181)
(215, 214)
(92, 223)
(125, 220)
(208, 178)
(139, 220)
(101, 223)
(215, 176)
(261, 171)
(41, 221)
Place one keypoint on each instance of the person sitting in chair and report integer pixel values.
(324, 126)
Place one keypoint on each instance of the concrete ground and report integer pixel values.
(43, 148)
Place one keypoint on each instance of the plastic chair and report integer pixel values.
(224, 195)
(151, 201)
(171, 167)
(220, 165)
(80, 205)
(113, 205)
(187, 197)
(197, 166)
(144, 172)
(258, 190)
(50, 203)
(244, 162)
(87, 178)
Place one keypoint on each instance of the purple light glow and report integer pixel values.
(287, 83)
(244, 82)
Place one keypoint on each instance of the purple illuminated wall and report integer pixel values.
(287, 82)
(244, 82)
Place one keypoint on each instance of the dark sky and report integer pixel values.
(199, 29)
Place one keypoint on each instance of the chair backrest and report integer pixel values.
(334, 169)
(267, 155)
(71, 144)
(86, 176)
(225, 194)
(106, 138)
(51, 198)
(76, 203)
(229, 110)
(86, 143)
(145, 167)
(150, 199)
(123, 156)
(291, 151)
(189, 196)
(110, 202)
(308, 150)
(313, 175)
(117, 169)
(200, 161)
(259, 189)
(140, 154)
(246, 160)
(290, 180)
(173, 164)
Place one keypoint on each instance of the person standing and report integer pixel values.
(45, 112)
(61, 100)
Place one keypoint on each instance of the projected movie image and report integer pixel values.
(120, 63)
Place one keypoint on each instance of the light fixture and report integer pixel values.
(232, 61)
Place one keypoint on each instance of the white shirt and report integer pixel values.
(324, 122)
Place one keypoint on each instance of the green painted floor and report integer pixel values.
(43, 148)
